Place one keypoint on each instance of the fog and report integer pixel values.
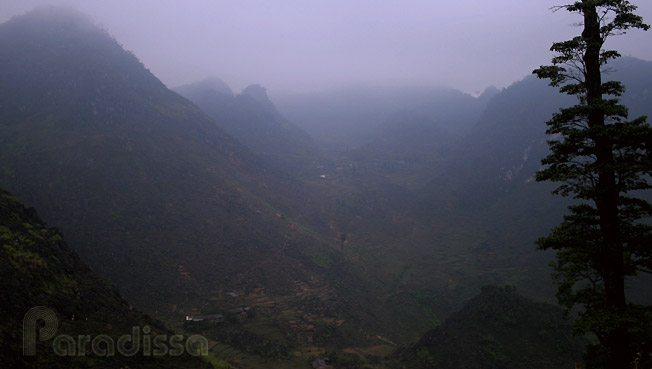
(299, 45)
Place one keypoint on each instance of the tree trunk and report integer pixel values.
(606, 196)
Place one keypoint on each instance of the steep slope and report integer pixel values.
(252, 119)
(207, 86)
(411, 143)
(499, 328)
(154, 196)
(506, 145)
(107, 152)
(488, 179)
(37, 268)
(490, 173)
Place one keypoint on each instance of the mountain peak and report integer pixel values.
(60, 57)
(499, 328)
(59, 16)
(259, 93)
(490, 91)
(488, 94)
(210, 83)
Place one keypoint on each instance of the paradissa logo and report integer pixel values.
(139, 340)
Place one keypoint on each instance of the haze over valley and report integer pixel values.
(325, 185)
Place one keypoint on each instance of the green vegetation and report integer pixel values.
(603, 160)
(217, 363)
(351, 253)
(498, 329)
(38, 269)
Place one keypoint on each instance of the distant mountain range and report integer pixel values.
(252, 119)
(123, 165)
(157, 198)
(345, 117)
(509, 139)
(351, 222)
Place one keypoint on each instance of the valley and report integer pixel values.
(311, 236)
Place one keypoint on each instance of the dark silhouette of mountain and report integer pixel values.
(251, 118)
(38, 269)
(499, 328)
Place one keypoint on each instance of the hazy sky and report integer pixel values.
(304, 45)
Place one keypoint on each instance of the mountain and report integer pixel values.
(206, 86)
(450, 113)
(123, 165)
(508, 141)
(350, 117)
(486, 178)
(499, 328)
(370, 251)
(160, 201)
(252, 119)
(39, 271)
(433, 121)
(411, 142)
(450, 214)
(479, 149)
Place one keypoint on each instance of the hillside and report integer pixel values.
(162, 202)
(252, 119)
(499, 328)
(467, 208)
(349, 117)
(37, 268)
(115, 158)
(227, 208)
(506, 144)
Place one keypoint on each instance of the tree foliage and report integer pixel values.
(604, 160)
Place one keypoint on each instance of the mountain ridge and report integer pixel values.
(381, 240)
(136, 146)
(38, 269)
(252, 119)
(499, 328)
(163, 203)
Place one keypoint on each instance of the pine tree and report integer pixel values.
(604, 160)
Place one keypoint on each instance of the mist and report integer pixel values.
(360, 184)
(298, 46)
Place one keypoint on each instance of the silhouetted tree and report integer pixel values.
(602, 159)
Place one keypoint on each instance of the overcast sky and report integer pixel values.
(308, 45)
